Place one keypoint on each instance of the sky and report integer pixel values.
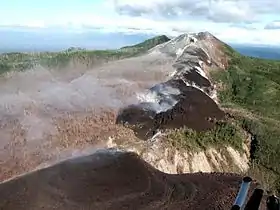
(112, 23)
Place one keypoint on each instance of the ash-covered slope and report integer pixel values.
(110, 179)
(188, 98)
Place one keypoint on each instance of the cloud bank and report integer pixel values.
(273, 25)
(233, 21)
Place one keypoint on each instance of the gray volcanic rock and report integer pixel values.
(188, 97)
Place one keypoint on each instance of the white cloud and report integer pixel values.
(244, 36)
(220, 17)
(273, 25)
(215, 10)
(135, 25)
(234, 21)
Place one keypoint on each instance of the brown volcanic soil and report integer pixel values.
(77, 133)
(50, 115)
(116, 180)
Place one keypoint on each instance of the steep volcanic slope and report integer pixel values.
(187, 97)
(110, 179)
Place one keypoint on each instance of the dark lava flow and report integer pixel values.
(194, 109)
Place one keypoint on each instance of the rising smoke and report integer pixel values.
(34, 98)
(45, 112)
(160, 98)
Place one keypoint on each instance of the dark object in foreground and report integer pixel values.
(272, 202)
(242, 194)
(255, 199)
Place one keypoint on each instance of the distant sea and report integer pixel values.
(259, 52)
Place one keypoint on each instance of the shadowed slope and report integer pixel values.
(110, 179)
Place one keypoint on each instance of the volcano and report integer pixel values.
(165, 87)
(187, 98)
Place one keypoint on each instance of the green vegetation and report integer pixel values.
(251, 92)
(224, 133)
(23, 61)
(148, 44)
(59, 60)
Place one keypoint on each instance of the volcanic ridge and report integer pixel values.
(188, 98)
(115, 179)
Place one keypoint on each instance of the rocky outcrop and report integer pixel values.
(174, 161)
